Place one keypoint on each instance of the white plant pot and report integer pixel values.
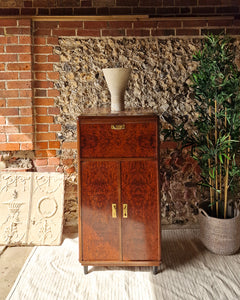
(117, 80)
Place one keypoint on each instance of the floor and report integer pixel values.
(13, 258)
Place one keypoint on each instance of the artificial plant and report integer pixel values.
(214, 138)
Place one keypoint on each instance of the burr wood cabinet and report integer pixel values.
(118, 186)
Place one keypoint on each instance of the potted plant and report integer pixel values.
(214, 141)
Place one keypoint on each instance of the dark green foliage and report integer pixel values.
(214, 138)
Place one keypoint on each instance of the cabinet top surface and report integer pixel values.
(106, 113)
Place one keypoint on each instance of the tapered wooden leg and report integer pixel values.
(155, 270)
(85, 269)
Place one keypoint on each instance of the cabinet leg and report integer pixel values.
(85, 269)
(155, 270)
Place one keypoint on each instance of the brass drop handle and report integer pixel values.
(118, 127)
(125, 211)
(114, 210)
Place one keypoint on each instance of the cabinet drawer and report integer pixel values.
(112, 140)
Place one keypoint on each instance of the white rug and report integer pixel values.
(189, 272)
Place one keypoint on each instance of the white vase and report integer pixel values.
(117, 80)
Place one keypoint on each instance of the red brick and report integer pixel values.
(20, 120)
(2, 85)
(53, 75)
(18, 66)
(185, 2)
(40, 58)
(8, 40)
(113, 32)
(18, 30)
(25, 57)
(26, 146)
(45, 153)
(46, 24)
(25, 40)
(40, 75)
(2, 67)
(8, 111)
(18, 49)
(19, 84)
(126, 2)
(195, 23)
(53, 93)
(85, 33)
(41, 162)
(162, 32)
(19, 102)
(26, 111)
(53, 58)
(71, 24)
(54, 161)
(39, 40)
(55, 127)
(54, 145)
(2, 102)
(145, 24)
(43, 49)
(45, 136)
(187, 32)
(25, 75)
(44, 101)
(20, 137)
(169, 24)
(9, 129)
(53, 111)
(2, 120)
(8, 57)
(8, 22)
(120, 24)
(43, 84)
(27, 129)
(41, 110)
(25, 93)
(9, 147)
(64, 32)
(25, 22)
(2, 138)
(44, 119)
(138, 32)
(8, 75)
(43, 67)
(46, 169)
(233, 31)
(69, 145)
(41, 145)
(42, 128)
(95, 24)
(219, 23)
(51, 40)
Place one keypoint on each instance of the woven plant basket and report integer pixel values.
(220, 236)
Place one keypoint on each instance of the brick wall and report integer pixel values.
(28, 114)
(16, 120)
(119, 7)
(27, 90)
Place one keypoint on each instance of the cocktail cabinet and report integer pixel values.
(118, 189)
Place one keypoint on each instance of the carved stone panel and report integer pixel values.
(31, 208)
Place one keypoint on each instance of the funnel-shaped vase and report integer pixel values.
(117, 80)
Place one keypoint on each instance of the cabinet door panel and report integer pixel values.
(100, 231)
(140, 230)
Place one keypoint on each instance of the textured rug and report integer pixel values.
(188, 272)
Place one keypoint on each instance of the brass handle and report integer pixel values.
(125, 210)
(114, 210)
(118, 127)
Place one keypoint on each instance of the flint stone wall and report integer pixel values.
(159, 82)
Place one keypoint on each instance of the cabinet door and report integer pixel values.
(100, 230)
(140, 228)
